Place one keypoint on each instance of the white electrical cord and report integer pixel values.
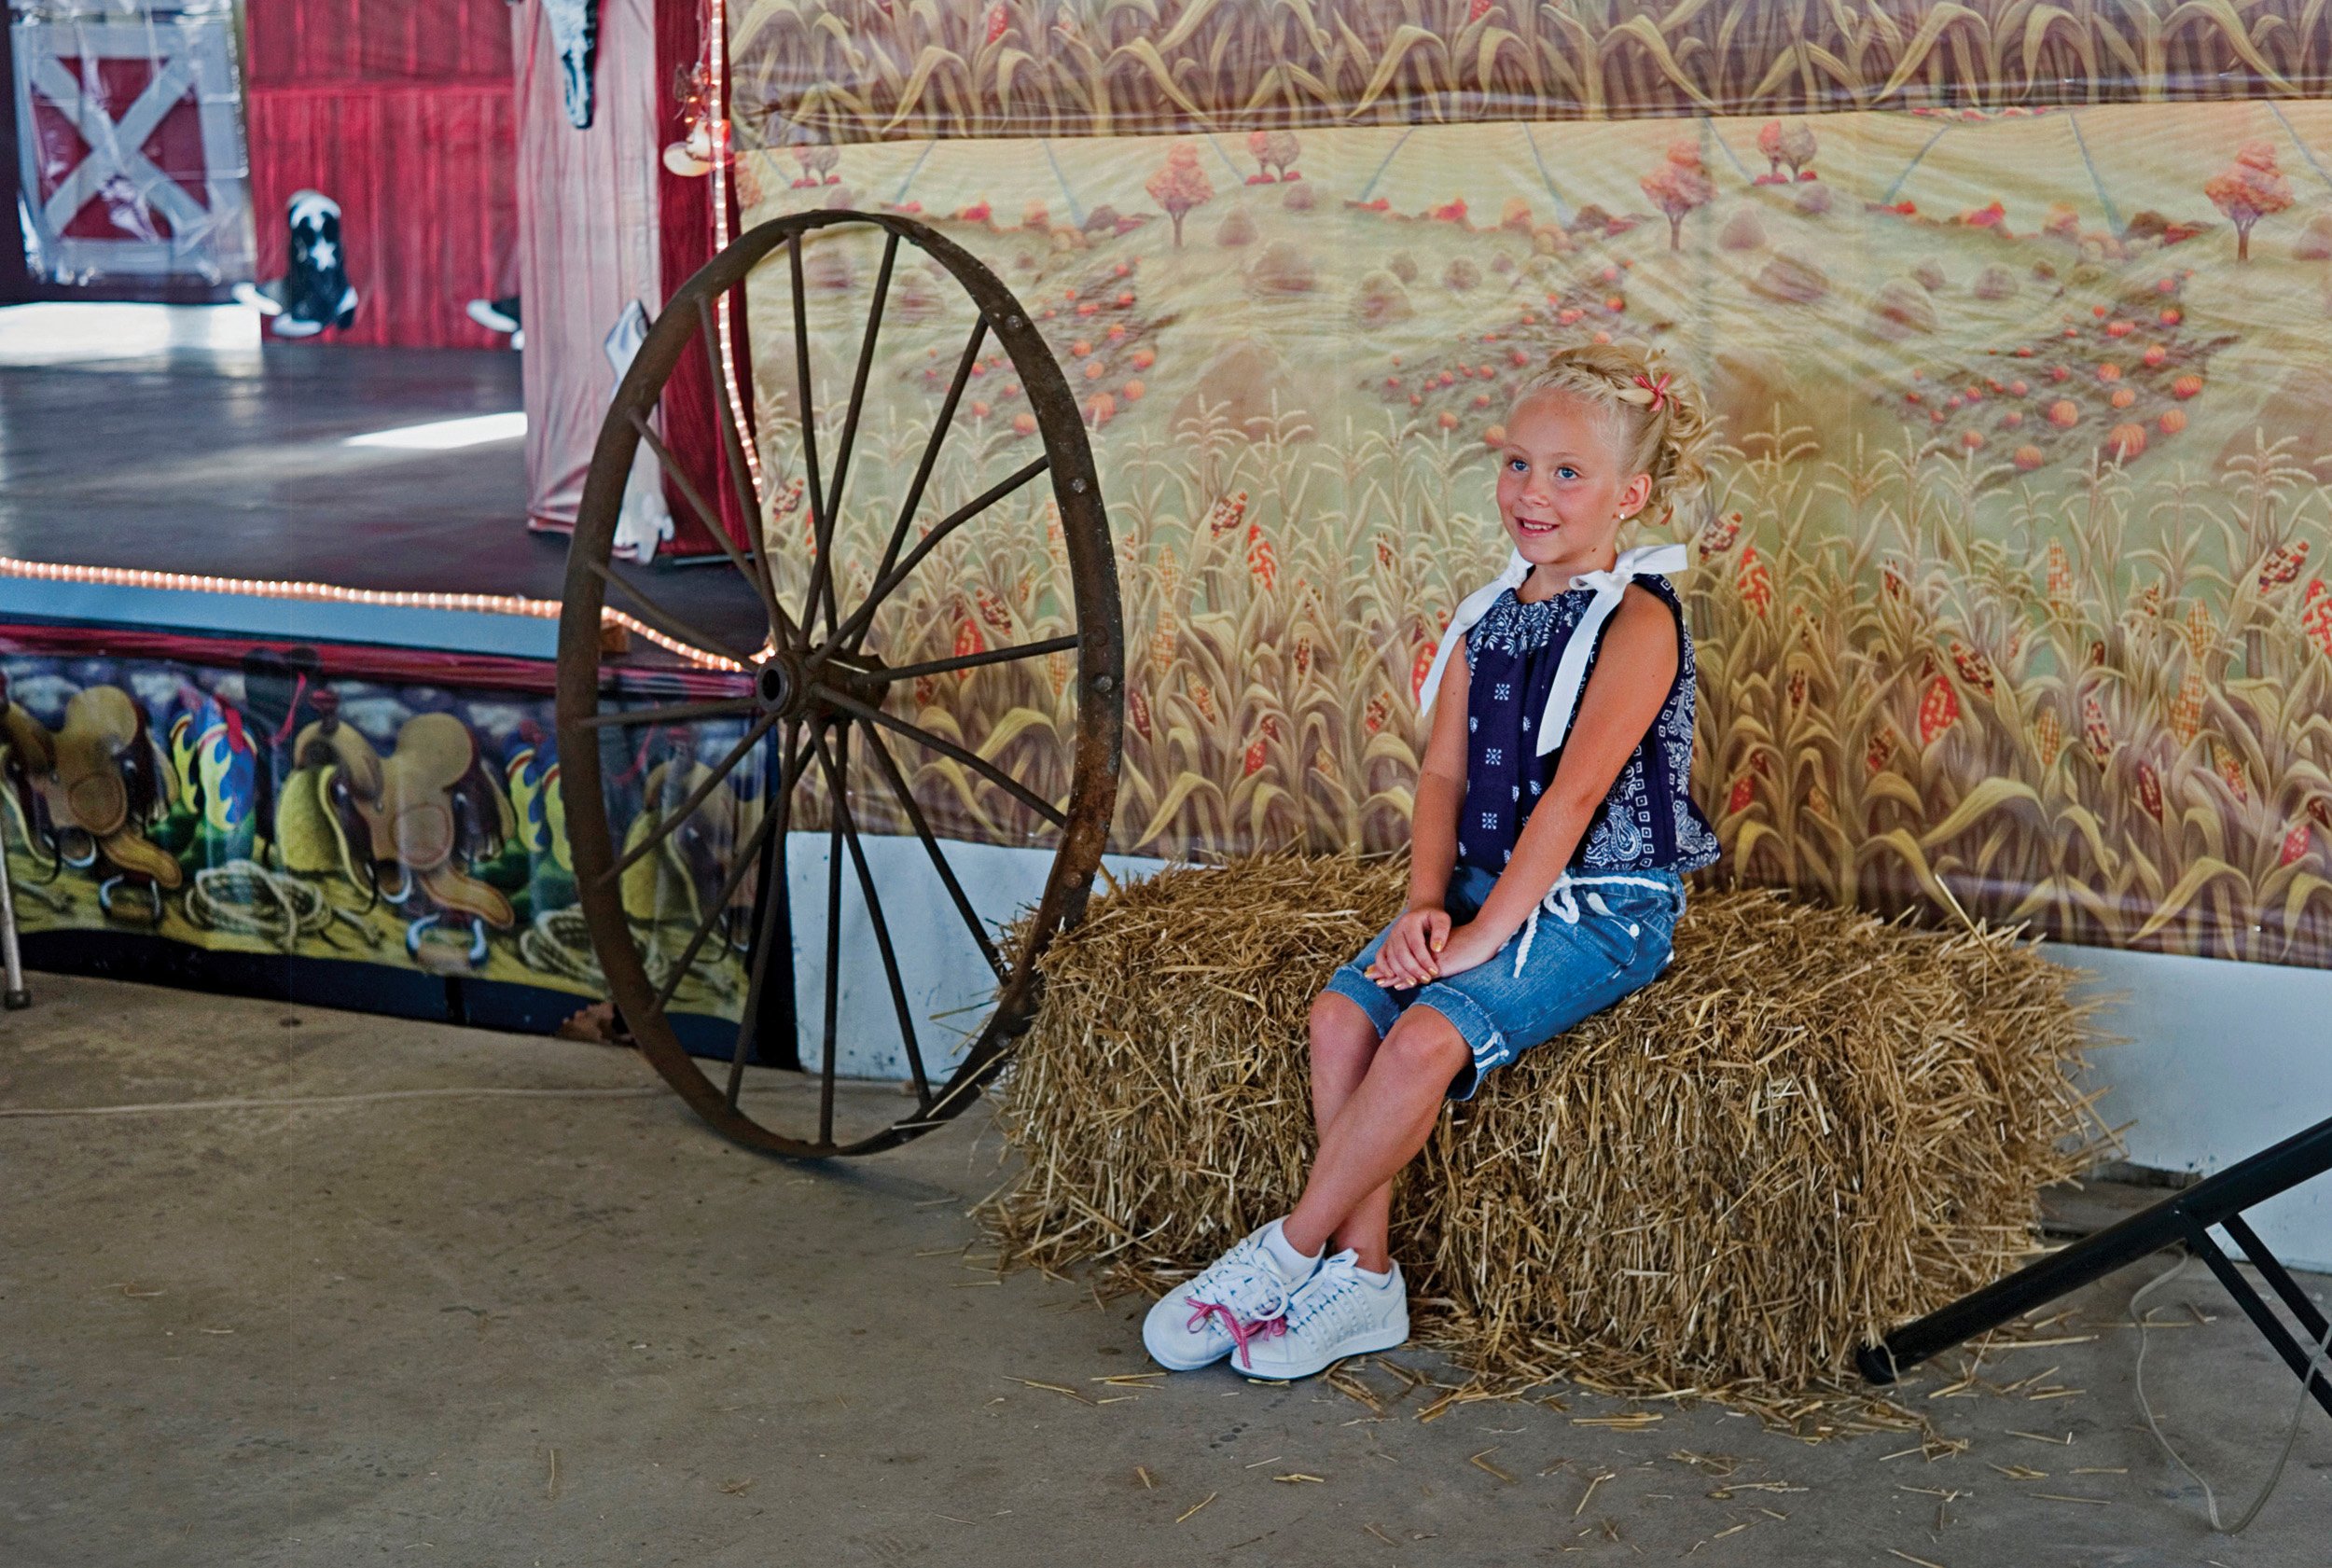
(299, 1100)
(2291, 1433)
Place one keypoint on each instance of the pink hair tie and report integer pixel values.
(1658, 389)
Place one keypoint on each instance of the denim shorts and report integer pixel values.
(1570, 972)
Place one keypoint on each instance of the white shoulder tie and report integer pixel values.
(1610, 587)
(1470, 609)
(1571, 669)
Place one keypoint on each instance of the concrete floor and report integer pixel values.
(584, 1331)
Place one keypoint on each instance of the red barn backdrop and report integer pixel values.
(404, 115)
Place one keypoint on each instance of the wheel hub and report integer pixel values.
(777, 684)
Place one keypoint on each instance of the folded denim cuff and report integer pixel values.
(1479, 1031)
(1368, 995)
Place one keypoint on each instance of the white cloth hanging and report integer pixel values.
(1563, 698)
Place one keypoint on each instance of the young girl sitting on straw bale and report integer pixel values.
(1554, 821)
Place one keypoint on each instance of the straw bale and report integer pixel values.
(1814, 1126)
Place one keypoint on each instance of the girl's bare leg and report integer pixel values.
(1380, 1128)
(1343, 1043)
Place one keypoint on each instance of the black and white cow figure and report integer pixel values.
(314, 292)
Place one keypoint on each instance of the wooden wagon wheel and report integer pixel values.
(813, 707)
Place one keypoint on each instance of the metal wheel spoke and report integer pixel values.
(898, 781)
(757, 974)
(669, 712)
(979, 764)
(697, 796)
(821, 520)
(833, 967)
(780, 627)
(923, 547)
(747, 855)
(820, 570)
(881, 929)
(710, 518)
(664, 621)
(931, 456)
(972, 660)
(773, 931)
(755, 562)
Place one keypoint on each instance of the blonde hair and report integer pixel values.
(1669, 442)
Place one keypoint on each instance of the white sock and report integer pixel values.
(1293, 1267)
(1373, 1277)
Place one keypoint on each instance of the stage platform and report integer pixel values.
(212, 496)
(193, 555)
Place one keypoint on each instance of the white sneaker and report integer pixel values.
(1336, 1313)
(1222, 1308)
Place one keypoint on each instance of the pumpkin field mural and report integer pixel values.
(2011, 591)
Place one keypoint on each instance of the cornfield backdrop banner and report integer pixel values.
(2009, 591)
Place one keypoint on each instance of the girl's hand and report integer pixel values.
(1469, 944)
(1409, 956)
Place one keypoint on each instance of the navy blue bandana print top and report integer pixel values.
(1647, 820)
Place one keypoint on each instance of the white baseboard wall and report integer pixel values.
(2222, 1060)
(948, 985)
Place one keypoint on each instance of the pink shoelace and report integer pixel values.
(1242, 1335)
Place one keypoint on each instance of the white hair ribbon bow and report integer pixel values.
(1571, 669)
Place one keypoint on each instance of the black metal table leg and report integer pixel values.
(2182, 1219)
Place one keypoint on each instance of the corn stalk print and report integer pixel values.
(2006, 598)
(875, 70)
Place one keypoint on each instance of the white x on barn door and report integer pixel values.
(58, 84)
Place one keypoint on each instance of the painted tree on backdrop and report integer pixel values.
(1180, 184)
(1794, 146)
(1679, 186)
(1273, 149)
(2247, 190)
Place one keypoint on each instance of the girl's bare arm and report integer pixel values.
(1440, 790)
(1623, 698)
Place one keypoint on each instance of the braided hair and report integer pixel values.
(1656, 416)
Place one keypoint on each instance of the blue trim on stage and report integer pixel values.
(346, 985)
(240, 615)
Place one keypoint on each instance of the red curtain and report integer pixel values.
(404, 115)
(685, 240)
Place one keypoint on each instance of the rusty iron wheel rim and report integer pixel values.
(794, 701)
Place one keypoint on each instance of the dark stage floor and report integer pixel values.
(239, 470)
(241, 473)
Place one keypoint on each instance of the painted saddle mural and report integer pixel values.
(86, 791)
(268, 811)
